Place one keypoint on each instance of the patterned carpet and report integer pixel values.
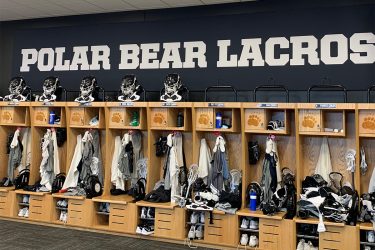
(16, 235)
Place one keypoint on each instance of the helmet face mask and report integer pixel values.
(87, 86)
(50, 85)
(128, 85)
(17, 85)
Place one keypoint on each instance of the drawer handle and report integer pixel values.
(167, 221)
(219, 235)
(120, 216)
(118, 223)
(116, 208)
(270, 234)
(210, 226)
(329, 240)
(78, 211)
(164, 213)
(77, 204)
(268, 225)
(162, 228)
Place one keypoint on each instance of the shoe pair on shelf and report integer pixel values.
(26, 199)
(252, 241)
(104, 207)
(63, 203)
(371, 236)
(250, 223)
(145, 229)
(197, 217)
(23, 212)
(148, 213)
(195, 232)
(302, 245)
(64, 216)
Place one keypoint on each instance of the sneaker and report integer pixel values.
(253, 241)
(254, 224)
(65, 217)
(194, 217)
(24, 199)
(143, 213)
(245, 223)
(59, 203)
(150, 213)
(26, 213)
(107, 207)
(199, 232)
(367, 248)
(191, 234)
(148, 230)
(244, 239)
(61, 216)
(64, 203)
(201, 219)
(94, 121)
(101, 205)
(301, 245)
(21, 212)
(370, 237)
(139, 229)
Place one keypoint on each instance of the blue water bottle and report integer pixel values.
(219, 120)
(253, 200)
(51, 118)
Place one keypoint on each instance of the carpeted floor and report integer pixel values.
(16, 235)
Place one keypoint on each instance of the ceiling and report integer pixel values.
(28, 9)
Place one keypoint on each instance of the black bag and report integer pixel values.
(254, 152)
(60, 136)
(93, 187)
(139, 190)
(22, 180)
(58, 182)
(161, 146)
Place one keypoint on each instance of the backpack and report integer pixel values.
(58, 182)
(254, 152)
(22, 180)
(93, 187)
(139, 189)
(161, 146)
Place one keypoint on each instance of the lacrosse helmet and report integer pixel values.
(172, 83)
(50, 85)
(128, 85)
(87, 86)
(17, 85)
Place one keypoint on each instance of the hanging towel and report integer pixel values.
(56, 159)
(219, 169)
(73, 174)
(204, 163)
(26, 152)
(117, 179)
(15, 154)
(87, 154)
(175, 163)
(136, 139)
(46, 167)
(278, 167)
(323, 166)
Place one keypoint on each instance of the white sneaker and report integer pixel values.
(191, 234)
(370, 237)
(254, 224)
(138, 230)
(301, 245)
(59, 203)
(199, 233)
(148, 230)
(245, 223)
(150, 213)
(64, 203)
(24, 199)
(201, 220)
(143, 213)
(244, 239)
(21, 212)
(61, 216)
(65, 217)
(26, 213)
(307, 246)
(253, 242)
(367, 248)
(194, 217)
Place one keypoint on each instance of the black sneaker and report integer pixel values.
(148, 230)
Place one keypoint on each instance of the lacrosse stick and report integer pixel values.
(192, 176)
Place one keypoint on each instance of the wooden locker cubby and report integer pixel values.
(40, 114)
(363, 229)
(120, 115)
(15, 114)
(39, 205)
(79, 115)
(163, 115)
(285, 144)
(308, 143)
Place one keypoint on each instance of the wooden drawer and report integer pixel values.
(77, 116)
(204, 118)
(269, 228)
(310, 120)
(164, 232)
(212, 230)
(169, 223)
(268, 245)
(123, 218)
(330, 245)
(256, 119)
(221, 232)
(159, 117)
(118, 209)
(117, 117)
(36, 215)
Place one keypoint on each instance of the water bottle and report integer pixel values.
(180, 119)
(253, 200)
(51, 118)
(219, 120)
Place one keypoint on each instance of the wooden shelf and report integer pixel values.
(62, 196)
(120, 199)
(19, 191)
(169, 128)
(221, 130)
(86, 127)
(127, 127)
(16, 124)
(259, 214)
(316, 222)
(268, 132)
(330, 134)
(367, 135)
(126, 104)
(49, 125)
(6, 189)
(166, 205)
(366, 226)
